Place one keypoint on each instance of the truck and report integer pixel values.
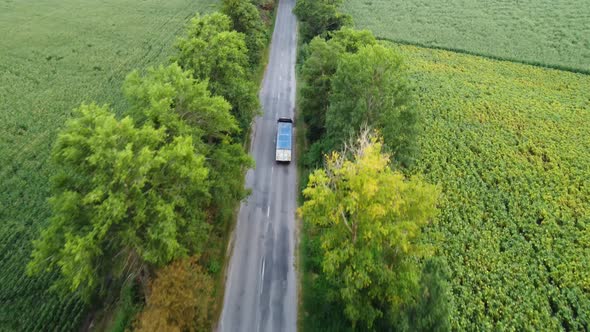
(284, 140)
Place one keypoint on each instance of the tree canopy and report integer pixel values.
(349, 80)
(370, 219)
(180, 299)
(213, 52)
(170, 97)
(133, 194)
(317, 71)
(371, 87)
(318, 17)
(125, 198)
(246, 19)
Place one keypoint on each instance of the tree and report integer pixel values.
(125, 199)
(432, 310)
(318, 70)
(370, 219)
(171, 98)
(316, 75)
(181, 299)
(246, 19)
(371, 86)
(211, 51)
(318, 17)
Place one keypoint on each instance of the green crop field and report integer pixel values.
(551, 33)
(509, 144)
(53, 56)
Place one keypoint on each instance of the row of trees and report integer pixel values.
(349, 80)
(134, 194)
(363, 217)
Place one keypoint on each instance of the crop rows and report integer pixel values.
(56, 54)
(508, 143)
(542, 32)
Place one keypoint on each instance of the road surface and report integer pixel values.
(261, 290)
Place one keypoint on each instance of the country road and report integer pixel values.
(261, 285)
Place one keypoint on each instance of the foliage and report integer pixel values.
(125, 198)
(321, 308)
(432, 310)
(213, 52)
(319, 17)
(265, 5)
(181, 299)
(167, 97)
(246, 19)
(126, 310)
(317, 72)
(509, 145)
(60, 61)
(349, 80)
(371, 87)
(543, 32)
(370, 219)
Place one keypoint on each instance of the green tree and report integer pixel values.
(371, 87)
(211, 51)
(432, 311)
(125, 199)
(246, 19)
(318, 17)
(171, 98)
(317, 73)
(370, 219)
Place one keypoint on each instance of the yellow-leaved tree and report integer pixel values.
(369, 218)
(180, 299)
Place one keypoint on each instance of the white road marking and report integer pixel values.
(262, 277)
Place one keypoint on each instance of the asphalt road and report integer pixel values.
(261, 285)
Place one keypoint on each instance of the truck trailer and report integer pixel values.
(284, 140)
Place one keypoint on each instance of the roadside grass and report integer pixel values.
(56, 55)
(544, 32)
